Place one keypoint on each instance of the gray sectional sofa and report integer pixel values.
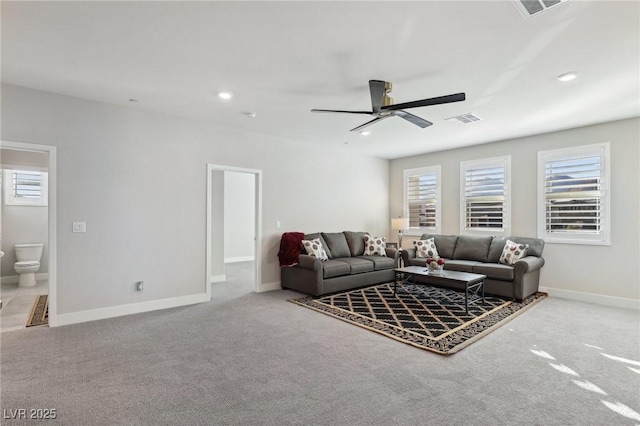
(347, 267)
(481, 255)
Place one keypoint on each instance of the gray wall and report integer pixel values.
(138, 179)
(239, 215)
(604, 270)
(23, 224)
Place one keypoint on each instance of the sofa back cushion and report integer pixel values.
(495, 250)
(337, 243)
(356, 242)
(536, 245)
(472, 248)
(445, 244)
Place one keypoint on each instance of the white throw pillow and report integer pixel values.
(314, 248)
(512, 252)
(426, 248)
(375, 246)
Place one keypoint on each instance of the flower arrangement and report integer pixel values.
(435, 264)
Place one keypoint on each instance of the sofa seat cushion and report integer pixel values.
(461, 265)
(335, 268)
(495, 270)
(357, 265)
(337, 243)
(380, 262)
(416, 261)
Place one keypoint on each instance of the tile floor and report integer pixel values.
(17, 304)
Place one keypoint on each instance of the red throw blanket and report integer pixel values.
(290, 245)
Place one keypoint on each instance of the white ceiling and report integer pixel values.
(280, 59)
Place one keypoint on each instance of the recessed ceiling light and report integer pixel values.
(225, 95)
(568, 76)
(365, 132)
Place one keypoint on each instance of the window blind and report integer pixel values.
(484, 197)
(573, 195)
(422, 196)
(27, 185)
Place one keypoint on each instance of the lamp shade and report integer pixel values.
(400, 223)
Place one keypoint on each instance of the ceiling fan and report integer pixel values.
(382, 105)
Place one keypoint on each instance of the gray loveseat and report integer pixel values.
(481, 255)
(347, 267)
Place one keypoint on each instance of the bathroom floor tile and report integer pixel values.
(17, 304)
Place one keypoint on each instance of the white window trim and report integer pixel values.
(416, 172)
(602, 238)
(505, 162)
(10, 200)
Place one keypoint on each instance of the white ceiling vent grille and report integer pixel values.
(530, 8)
(464, 118)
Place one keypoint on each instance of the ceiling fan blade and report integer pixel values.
(377, 89)
(369, 123)
(457, 97)
(421, 122)
(344, 112)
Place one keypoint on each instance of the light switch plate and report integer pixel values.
(79, 226)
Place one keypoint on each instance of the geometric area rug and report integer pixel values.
(430, 318)
(40, 311)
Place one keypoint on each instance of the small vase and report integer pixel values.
(435, 269)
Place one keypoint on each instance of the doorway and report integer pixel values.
(234, 211)
(28, 216)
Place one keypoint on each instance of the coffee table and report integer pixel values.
(473, 283)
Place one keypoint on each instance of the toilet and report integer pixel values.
(28, 263)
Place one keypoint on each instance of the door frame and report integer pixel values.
(52, 206)
(257, 251)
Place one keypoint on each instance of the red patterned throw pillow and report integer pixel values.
(426, 248)
(314, 248)
(512, 252)
(374, 246)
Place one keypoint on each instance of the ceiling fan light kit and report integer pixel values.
(382, 106)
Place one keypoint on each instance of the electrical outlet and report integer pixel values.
(140, 285)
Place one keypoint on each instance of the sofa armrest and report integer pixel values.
(528, 264)
(392, 252)
(309, 262)
(407, 254)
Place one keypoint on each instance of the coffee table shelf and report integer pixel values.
(473, 283)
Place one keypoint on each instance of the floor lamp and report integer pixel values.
(399, 224)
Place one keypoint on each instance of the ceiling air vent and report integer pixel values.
(464, 118)
(530, 8)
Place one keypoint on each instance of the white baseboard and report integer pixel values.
(14, 279)
(217, 278)
(239, 259)
(133, 308)
(275, 285)
(617, 302)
